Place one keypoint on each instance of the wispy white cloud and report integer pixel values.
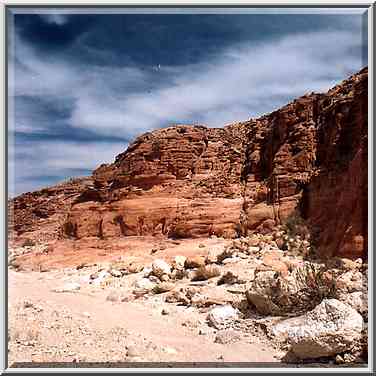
(248, 80)
(55, 18)
(57, 160)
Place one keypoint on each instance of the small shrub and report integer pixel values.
(206, 272)
(295, 225)
(310, 285)
(317, 283)
(297, 234)
(229, 278)
(227, 252)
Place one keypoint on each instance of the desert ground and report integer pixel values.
(92, 305)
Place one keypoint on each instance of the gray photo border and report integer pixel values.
(174, 6)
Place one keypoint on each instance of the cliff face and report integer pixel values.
(182, 181)
(335, 202)
(309, 158)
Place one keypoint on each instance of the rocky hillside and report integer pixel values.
(305, 163)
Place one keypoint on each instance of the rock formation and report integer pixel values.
(307, 159)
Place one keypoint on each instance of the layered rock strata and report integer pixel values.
(307, 159)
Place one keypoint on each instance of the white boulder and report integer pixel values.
(220, 317)
(144, 284)
(68, 287)
(179, 262)
(161, 267)
(331, 328)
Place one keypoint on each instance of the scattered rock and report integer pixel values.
(28, 304)
(350, 281)
(146, 271)
(213, 254)
(227, 253)
(177, 297)
(143, 286)
(132, 351)
(115, 273)
(160, 267)
(272, 259)
(163, 287)
(204, 331)
(347, 264)
(165, 278)
(179, 262)
(68, 287)
(191, 323)
(135, 268)
(220, 317)
(227, 336)
(169, 350)
(82, 266)
(99, 277)
(253, 250)
(128, 297)
(230, 260)
(357, 300)
(121, 266)
(178, 274)
(94, 275)
(349, 358)
(260, 293)
(154, 279)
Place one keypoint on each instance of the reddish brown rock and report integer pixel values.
(182, 181)
(307, 158)
(335, 202)
(274, 261)
(44, 212)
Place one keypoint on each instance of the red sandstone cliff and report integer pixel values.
(308, 158)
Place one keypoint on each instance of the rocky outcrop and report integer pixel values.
(44, 212)
(306, 159)
(188, 181)
(178, 182)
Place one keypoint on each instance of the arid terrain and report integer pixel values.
(244, 244)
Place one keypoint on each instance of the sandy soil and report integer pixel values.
(143, 249)
(86, 326)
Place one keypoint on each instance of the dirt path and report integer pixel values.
(86, 323)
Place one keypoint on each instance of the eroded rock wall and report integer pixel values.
(335, 202)
(308, 158)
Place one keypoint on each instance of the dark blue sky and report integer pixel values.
(82, 86)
